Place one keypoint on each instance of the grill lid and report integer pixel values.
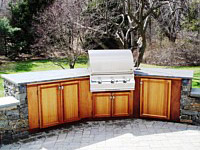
(111, 61)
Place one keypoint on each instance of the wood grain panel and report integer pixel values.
(33, 107)
(102, 105)
(49, 105)
(136, 98)
(131, 96)
(155, 98)
(175, 100)
(85, 99)
(70, 101)
(120, 104)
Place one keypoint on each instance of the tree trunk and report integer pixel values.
(172, 39)
(142, 49)
(198, 34)
(71, 64)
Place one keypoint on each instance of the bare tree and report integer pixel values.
(138, 14)
(169, 18)
(57, 33)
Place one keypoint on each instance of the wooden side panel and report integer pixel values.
(120, 105)
(175, 100)
(131, 97)
(33, 107)
(102, 105)
(85, 99)
(49, 105)
(155, 98)
(136, 98)
(70, 101)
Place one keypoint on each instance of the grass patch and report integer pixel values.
(42, 65)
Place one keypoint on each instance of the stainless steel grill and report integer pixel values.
(111, 70)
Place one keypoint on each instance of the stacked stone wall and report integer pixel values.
(190, 106)
(14, 121)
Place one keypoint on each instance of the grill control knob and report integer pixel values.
(112, 81)
(99, 82)
(124, 81)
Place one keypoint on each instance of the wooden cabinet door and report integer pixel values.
(155, 96)
(70, 101)
(120, 103)
(50, 104)
(102, 105)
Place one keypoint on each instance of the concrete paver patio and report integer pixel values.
(126, 134)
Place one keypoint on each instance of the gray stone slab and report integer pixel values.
(44, 76)
(8, 102)
(172, 73)
(195, 92)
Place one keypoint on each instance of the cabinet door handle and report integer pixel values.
(60, 87)
(111, 97)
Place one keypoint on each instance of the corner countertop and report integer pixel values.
(45, 76)
(168, 73)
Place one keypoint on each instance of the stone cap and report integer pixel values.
(8, 102)
(195, 92)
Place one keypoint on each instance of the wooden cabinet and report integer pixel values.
(102, 105)
(70, 101)
(58, 102)
(53, 103)
(121, 104)
(49, 105)
(155, 98)
(114, 104)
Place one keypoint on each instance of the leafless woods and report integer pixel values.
(62, 28)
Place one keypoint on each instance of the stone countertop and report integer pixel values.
(44, 76)
(168, 73)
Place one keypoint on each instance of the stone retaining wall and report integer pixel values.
(12, 125)
(14, 121)
(190, 106)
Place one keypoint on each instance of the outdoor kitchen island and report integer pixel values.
(109, 88)
(55, 97)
